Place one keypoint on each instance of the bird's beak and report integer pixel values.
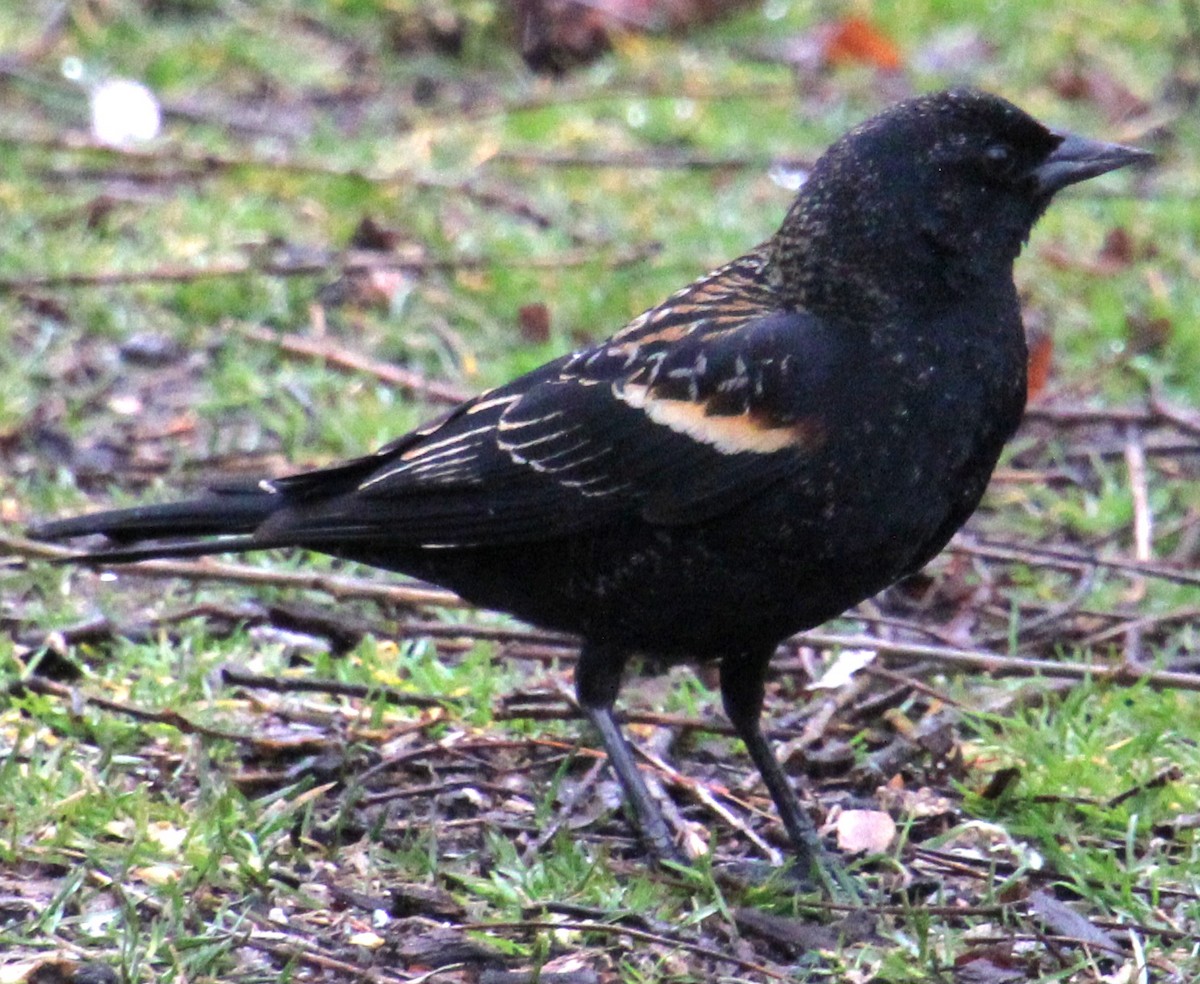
(1077, 159)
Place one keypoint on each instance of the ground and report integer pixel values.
(355, 214)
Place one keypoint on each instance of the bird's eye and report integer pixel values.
(999, 159)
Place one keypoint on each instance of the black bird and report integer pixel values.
(775, 442)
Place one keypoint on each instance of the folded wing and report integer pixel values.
(665, 426)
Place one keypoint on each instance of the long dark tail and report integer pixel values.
(223, 520)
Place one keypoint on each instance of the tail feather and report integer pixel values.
(163, 550)
(221, 521)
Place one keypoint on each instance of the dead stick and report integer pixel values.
(1007, 665)
(40, 685)
(346, 360)
(337, 586)
(636, 934)
(186, 274)
(1069, 560)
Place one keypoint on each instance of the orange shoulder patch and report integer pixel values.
(727, 433)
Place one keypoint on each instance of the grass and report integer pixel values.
(165, 824)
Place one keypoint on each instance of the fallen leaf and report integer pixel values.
(1147, 335)
(1065, 921)
(1041, 363)
(798, 935)
(864, 831)
(157, 874)
(1117, 251)
(45, 307)
(855, 40)
(848, 662)
(915, 803)
(1097, 86)
(372, 288)
(372, 235)
(557, 35)
(991, 965)
(534, 323)
(413, 32)
(151, 349)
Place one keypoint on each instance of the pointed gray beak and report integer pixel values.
(1078, 158)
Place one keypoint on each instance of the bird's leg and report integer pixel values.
(742, 687)
(597, 680)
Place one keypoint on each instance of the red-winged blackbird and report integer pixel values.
(775, 442)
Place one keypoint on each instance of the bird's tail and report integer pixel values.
(223, 520)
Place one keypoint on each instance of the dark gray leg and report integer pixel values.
(742, 685)
(597, 680)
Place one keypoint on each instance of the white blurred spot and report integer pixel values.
(685, 109)
(787, 177)
(72, 69)
(125, 404)
(124, 112)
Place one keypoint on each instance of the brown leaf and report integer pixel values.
(795, 934)
(56, 971)
(990, 965)
(417, 944)
(45, 306)
(98, 211)
(534, 322)
(1115, 255)
(413, 32)
(1147, 335)
(1095, 85)
(372, 235)
(558, 35)
(1117, 251)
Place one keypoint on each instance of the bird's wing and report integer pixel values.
(677, 419)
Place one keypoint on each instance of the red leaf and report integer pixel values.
(1041, 363)
(856, 40)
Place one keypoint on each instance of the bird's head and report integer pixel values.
(942, 190)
